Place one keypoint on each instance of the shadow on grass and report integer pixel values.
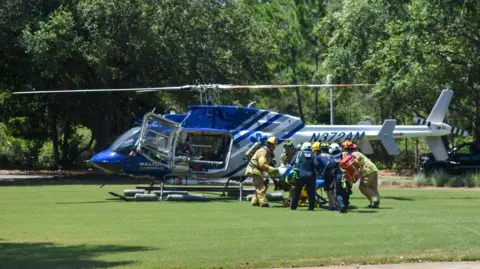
(88, 202)
(49, 255)
(397, 198)
(301, 208)
(464, 198)
(362, 211)
(353, 207)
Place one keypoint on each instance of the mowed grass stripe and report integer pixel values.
(80, 226)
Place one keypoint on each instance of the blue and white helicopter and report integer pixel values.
(211, 140)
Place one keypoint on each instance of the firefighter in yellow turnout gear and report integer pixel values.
(289, 152)
(260, 166)
(369, 182)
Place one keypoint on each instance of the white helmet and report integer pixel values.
(307, 149)
(306, 146)
(335, 151)
(334, 147)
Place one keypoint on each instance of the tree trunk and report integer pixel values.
(102, 132)
(74, 156)
(54, 133)
(316, 106)
(295, 81)
(299, 103)
(416, 153)
(299, 97)
(476, 120)
(67, 133)
(317, 117)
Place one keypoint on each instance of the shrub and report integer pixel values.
(458, 181)
(381, 165)
(472, 180)
(440, 178)
(16, 152)
(45, 156)
(422, 180)
(476, 179)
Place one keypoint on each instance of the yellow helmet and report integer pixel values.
(272, 140)
(316, 146)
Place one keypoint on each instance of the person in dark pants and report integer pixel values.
(324, 165)
(343, 191)
(343, 188)
(305, 164)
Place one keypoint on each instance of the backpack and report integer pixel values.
(330, 166)
(301, 155)
(351, 168)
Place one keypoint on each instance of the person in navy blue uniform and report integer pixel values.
(343, 189)
(325, 167)
(304, 162)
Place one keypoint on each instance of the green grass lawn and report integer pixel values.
(81, 227)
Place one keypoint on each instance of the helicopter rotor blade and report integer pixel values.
(174, 88)
(291, 86)
(195, 88)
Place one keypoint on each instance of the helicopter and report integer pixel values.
(211, 140)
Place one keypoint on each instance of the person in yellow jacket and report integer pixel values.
(289, 152)
(259, 167)
(369, 182)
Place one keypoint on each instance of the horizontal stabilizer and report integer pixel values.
(437, 148)
(365, 146)
(386, 137)
(453, 130)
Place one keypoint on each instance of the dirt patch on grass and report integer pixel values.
(397, 172)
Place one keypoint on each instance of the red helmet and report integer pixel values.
(348, 145)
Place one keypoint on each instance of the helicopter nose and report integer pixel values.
(108, 161)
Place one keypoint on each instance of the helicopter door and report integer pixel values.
(202, 151)
(157, 139)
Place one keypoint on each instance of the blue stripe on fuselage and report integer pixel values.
(259, 128)
(293, 131)
(251, 123)
(237, 170)
(288, 135)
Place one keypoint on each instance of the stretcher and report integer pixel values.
(303, 201)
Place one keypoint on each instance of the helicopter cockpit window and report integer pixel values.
(126, 142)
(205, 150)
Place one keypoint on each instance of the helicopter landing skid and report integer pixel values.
(162, 189)
(119, 196)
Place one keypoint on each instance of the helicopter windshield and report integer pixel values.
(126, 142)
